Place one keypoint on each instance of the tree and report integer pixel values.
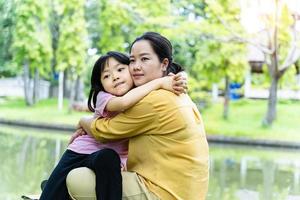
(72, 44)
(54, 24)
(7, 10)
(221, 61)
(32, 44)
(215, 58)
(280, 48)
(117, 25)
(277, 37)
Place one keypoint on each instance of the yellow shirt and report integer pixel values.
(167, 145)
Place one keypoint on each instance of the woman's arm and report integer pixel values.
(85, 123)
(136, 120)
(145, 117)
(174, 83)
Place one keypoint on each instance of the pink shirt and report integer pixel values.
(86, 144)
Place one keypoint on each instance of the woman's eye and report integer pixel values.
(121, 69)
(144, 59)
(131, 61)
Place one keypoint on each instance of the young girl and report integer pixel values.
(110, 93)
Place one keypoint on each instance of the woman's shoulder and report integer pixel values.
(159, 94)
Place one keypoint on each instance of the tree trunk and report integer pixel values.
(72, 95)
(36, 85)
(67, 83)
(27, 88)
(272, 101)
(274, 73)
(297, 68)
(60, 90)
(226, 99)
(79, 93)
(54, 28)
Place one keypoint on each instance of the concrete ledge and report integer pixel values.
(211, 138)
(58, 127)
(252, 142)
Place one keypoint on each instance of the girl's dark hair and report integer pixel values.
(96, 85)
(162, 47)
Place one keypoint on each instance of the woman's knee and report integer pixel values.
(81, 184)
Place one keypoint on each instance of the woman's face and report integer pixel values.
(116, 78)
(144, 63)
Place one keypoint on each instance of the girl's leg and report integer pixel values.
(107, 167)
(56, 185)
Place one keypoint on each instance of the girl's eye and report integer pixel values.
(144, 59)
(131, 61)
(105, 76)
(121, 69)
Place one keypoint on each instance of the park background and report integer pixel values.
(243, 63)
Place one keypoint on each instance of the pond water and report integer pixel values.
(243, 173)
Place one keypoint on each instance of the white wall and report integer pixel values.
(14, 87)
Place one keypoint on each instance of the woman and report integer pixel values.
(168, 150)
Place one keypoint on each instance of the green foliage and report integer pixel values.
(284, 34)
(288, 81)
(199, 92)
(73, 40)
(7, 10)
(92, 12)
(31, 41)
(122, 21)
(217, 60)
(216, 57)
(116, 22)
(87, 73)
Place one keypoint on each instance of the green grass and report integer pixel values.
(44, 111)
(245, 119)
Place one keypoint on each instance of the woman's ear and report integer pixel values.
(165, 63)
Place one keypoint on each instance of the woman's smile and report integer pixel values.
(137, 75)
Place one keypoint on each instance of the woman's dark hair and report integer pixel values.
(162, 47)
(96, 85)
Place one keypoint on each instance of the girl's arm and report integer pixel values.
(175, 83)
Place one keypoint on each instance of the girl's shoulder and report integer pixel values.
(102, 95)
(102, 98)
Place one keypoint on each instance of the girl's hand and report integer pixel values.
(179, 83)
(174, 83)
(78, 132)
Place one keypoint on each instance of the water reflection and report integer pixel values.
(26, 160)
(236, 173)
(251, 173)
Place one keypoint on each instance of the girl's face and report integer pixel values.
(144, 63)
(116, 78)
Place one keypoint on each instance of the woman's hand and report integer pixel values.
(78, 132)
(85, 123)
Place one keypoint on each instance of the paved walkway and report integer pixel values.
(211, 138)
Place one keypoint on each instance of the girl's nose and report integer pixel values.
(115, 76)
